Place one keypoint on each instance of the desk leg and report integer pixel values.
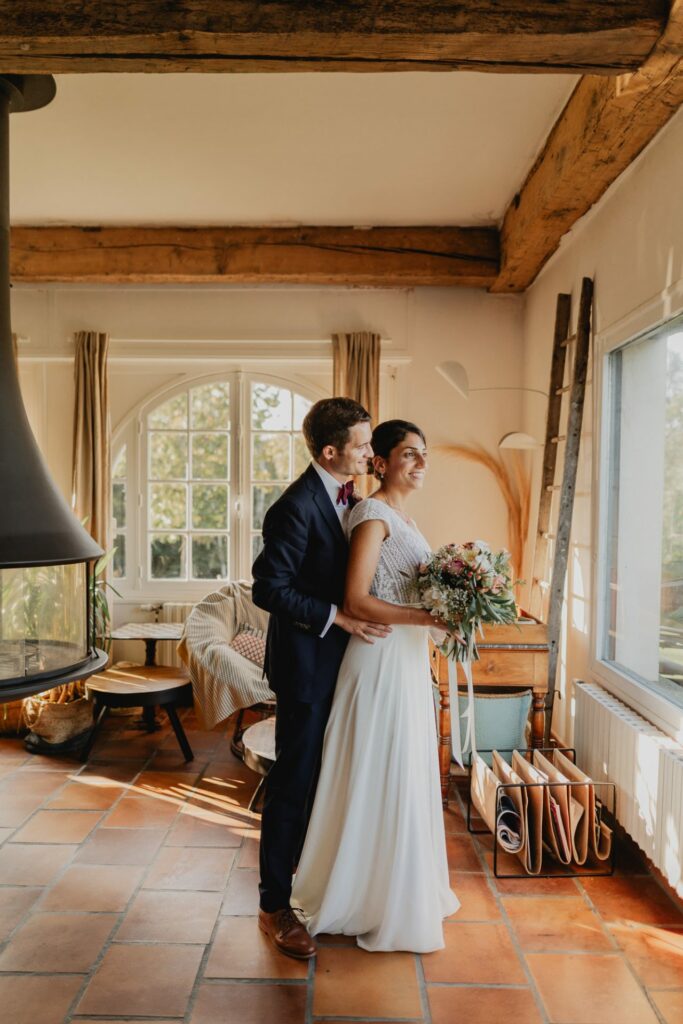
(538, 720)
(444, 738)
(151, 651)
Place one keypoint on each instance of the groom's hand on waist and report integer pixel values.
(367, 631)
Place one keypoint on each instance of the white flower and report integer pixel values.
(435, 600)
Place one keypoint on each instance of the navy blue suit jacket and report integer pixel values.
(299, 573)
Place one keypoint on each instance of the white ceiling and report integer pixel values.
(354, 149)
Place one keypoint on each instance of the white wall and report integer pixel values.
(160, 335)
(631, 243)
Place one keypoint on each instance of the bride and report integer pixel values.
(374, 862)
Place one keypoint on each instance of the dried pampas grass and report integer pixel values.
(66, 693)
(514, 484)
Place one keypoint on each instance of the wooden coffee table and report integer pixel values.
(150, 633)
(143, 686)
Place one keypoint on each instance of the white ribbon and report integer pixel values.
(468, 714)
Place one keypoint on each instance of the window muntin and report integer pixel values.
(642, 633)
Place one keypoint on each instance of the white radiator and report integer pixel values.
(172, 611)
(615, 744)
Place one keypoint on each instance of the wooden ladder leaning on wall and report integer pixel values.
(536, 654)
(547, 594)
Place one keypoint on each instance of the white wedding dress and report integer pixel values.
(374, 860)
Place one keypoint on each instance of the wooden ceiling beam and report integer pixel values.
(604, 126)
(597, 36)
(378, 257)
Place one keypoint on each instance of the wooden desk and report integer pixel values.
(510, 657)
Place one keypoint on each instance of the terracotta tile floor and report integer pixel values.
(128, 894)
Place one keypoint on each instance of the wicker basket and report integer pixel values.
(12, 719)
(57, 723)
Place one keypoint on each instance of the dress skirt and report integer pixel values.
(374, 861)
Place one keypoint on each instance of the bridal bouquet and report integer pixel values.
(467, 585)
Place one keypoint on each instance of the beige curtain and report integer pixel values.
(91, 438)
(355, 374)
(15, 349)
(356, 369)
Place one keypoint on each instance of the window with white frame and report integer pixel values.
(278, 449)
(642, 549)
(211, 458)
(188, 485)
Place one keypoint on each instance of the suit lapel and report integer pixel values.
(322, 500)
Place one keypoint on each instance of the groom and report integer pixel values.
(299, 578)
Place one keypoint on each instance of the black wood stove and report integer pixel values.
(46, 626)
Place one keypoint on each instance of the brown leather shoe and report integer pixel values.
(287, 933)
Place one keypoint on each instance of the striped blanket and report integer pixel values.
(222, 680)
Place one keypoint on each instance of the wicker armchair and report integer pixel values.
(223, 681)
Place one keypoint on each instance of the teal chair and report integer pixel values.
(500, 722)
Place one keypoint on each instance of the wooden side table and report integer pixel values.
(259, 752)
(150, 633)
(144, 686)
(511, 657)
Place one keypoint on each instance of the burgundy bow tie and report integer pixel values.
(345, 493)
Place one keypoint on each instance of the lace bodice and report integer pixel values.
(402, 552)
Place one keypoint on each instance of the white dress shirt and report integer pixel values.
(331, 485)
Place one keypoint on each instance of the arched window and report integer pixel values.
(212, 456)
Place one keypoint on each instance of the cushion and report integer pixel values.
(250, 643)
(499, 721)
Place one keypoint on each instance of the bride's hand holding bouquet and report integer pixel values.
(463, 586)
